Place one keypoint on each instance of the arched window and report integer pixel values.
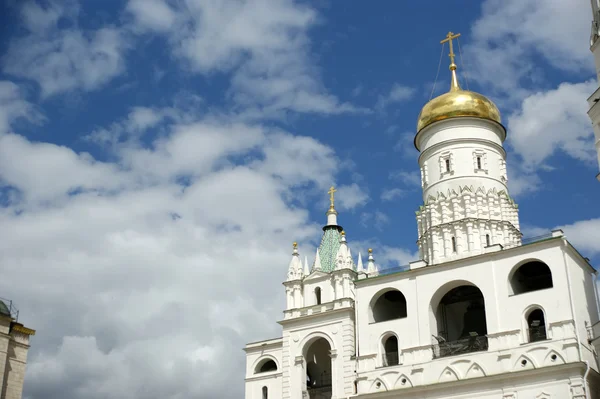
(318, 295)
(390, 351)
(487, 240)
(266, 365)
(531, 276)
(536, 325)
(388, 306)
(265, 392)
(461, 322)
(318, 368)
(453, 244)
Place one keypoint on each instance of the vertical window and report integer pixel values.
(390, 348)
(536, 324)
(487, 240)
(265, 392)
(447, 165)
(318, 295)
(453, 244)
(479, 163)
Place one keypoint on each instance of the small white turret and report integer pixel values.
(317, 265)
(343, 258)
(306, 269)
(371, 266)
(359, 265)
(295, 268)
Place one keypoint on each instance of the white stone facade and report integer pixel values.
(14, 345)
(594, 111)
(480, 314)
(466, 202)
(511, 364)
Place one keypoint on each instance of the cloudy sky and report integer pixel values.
(158, 158)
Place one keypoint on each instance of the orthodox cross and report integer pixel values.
(331, 191)
(448, 39)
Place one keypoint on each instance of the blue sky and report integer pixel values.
(157, 159)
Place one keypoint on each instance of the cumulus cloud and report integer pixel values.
(351, 196)
(177, 245)
(510, 34)
(553, 120)
(398, 93)
(13, 106)
(375, 220)
(391, 194)
(583, 235)
(263, 44)
(63, 59)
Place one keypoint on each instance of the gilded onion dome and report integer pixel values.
(457, 103)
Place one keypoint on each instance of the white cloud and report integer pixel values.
(398, 93)
(406, 146)
(14, 106)
(155, 263)
(409, 178)
(52, 171)
(553, 120)
(152, 14)
(351, 196)
(392, 194)
(63, 59)
(375, 220)
(510, 34)
(583, 235)
(263, 44)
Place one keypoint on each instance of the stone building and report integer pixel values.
(482, 313)
(594, 111)
(14, 345)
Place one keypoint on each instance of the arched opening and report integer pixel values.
(265, 393)
(388, 306)
(531, 276)
(487, 240)
(390, 351)
(453, 244)
(536, 325)
(461, 322)
(318, 295)
(318, 369)
(265, 366)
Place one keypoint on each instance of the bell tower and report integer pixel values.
(466, 205)
(594, 112)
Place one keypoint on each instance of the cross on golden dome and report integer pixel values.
(449, 37)
(331, 192)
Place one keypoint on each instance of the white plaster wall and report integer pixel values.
(338, 329)
(508, 341)
(464, 171)
(594, 112)
(270, 380)
(327, 290)
(255, 354)
(584, 299)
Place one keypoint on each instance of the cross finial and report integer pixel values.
(331, 192)
(449, 37)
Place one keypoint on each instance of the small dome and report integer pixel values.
(457, 103)
(4, 311)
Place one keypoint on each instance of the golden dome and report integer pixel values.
(457, 103)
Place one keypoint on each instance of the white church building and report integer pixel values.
(482, 314)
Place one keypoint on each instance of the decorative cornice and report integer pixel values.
(466, 220)
(444, 144)
(22, 329)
